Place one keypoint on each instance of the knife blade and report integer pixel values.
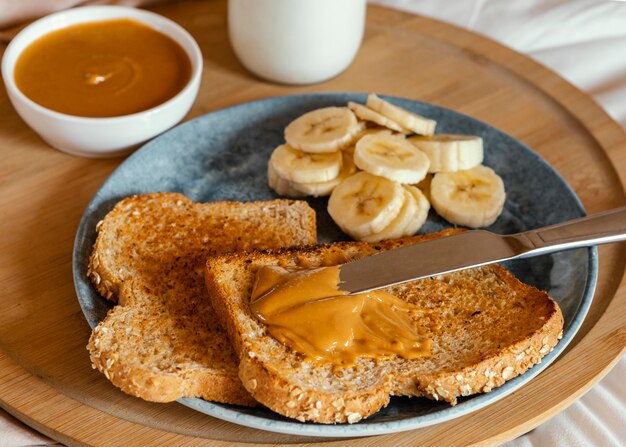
(476, 248)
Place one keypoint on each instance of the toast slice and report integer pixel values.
(490, 328)
(163, 341)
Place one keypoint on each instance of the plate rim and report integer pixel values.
(478, 401)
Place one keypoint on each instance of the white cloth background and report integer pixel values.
(585, 42)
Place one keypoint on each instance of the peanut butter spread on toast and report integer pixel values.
(308, 312)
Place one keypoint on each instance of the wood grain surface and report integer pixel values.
(45, 374)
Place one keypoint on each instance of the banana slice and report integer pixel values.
(303, 167)
(320, 189)
(280, 185)
(364, 204)
(420, 216)
(473, 198)
(409, 220)
(322, 130)
(361, 133)
(365, 113)
(391, 156)
(449, 153)
(408, 120)
(400, 225)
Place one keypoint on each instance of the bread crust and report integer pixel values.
(273, 376)
(276, 392)
(162, 341)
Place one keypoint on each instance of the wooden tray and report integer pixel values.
(45, 374)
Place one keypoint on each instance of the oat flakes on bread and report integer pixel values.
(491, 328)
(163, 341)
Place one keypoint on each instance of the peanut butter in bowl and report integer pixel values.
(102, 69)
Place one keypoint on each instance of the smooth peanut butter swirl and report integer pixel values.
(103, 69)
(307, 311)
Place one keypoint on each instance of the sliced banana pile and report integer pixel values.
(398, 177)
(312, 161)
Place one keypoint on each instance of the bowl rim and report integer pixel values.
(99, 13)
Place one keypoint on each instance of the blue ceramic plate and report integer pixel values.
(223, 156)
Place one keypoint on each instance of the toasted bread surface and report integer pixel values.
(163, 341)
(488, 327)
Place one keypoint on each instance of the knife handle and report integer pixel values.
(601, 228)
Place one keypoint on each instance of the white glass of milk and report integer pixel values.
(296, 41)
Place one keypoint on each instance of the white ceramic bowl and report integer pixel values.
(101, 137)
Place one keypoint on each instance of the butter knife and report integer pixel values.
(475, 248)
